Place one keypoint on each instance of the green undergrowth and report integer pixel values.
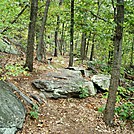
(125, 106)
(13, 70)
(34, 113)
(125, 111)
(84, 92)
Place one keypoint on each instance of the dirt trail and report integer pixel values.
(63, 116)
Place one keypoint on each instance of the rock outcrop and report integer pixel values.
(12, 112)
(7, 48)
(63, 83)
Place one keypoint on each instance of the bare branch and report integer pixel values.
(97, 16)
(12, 22)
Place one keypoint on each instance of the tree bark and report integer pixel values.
(56, 33)
(56, 37)
(41, 50)
(71, 34)
(31, 34)
(94, 34)
(132, 54)
(92, 48)
(87, 44)
(83, 46)
(115, 74)
(62, 40)
(111, 47)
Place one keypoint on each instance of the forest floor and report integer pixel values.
(63, 116)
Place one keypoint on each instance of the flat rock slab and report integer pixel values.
(12, 112)
(63, 83)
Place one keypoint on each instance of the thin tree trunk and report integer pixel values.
(71, 34)
(111, 48)
(76, 41)
(62, 40)
(41, 50)
(56, 37)
(87, 46)
(83, 46)
(65, 47)
(92, 48)
(56, 33)
(132, 54)
(115, 74)
(93, 40)
(31, 34)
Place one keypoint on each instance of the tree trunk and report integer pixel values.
(94, 34)
(56, 37)
(31, 34)
(92, 48)
(87, 46)
(132, 53)
(56, 33)
(115, 74)
(62, 40)
(83, 46)
(76, 42)
(41, 50)
(111, 47)
(71, 34)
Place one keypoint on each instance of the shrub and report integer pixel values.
(34, 113)
(125, 111)
(83, 92)
(13, 70)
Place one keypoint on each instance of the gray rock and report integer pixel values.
(24, 97)
(101, 80)
(66, 74)
(62, 84)
(12, 112)
(92, 90)
(80, 69)
(7, 48)
(83, 71)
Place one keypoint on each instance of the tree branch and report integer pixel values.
(97, 16)
(12, 22)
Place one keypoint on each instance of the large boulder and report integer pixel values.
(63, 83)
(12, 112)
(101, 81)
